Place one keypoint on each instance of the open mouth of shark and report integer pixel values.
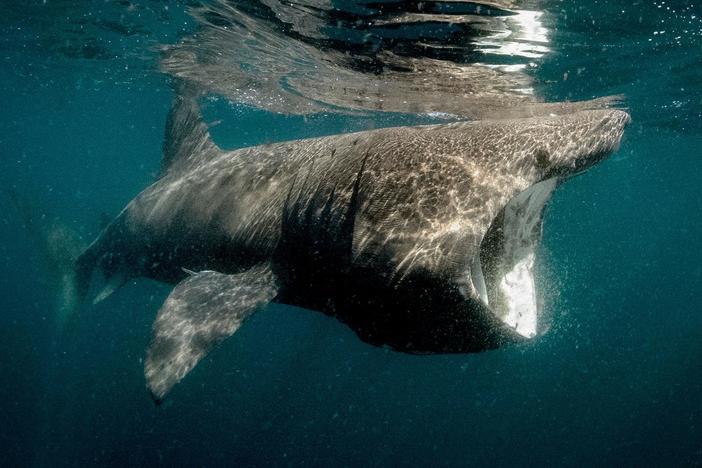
(503, 273)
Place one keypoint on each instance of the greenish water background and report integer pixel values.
(617, 380)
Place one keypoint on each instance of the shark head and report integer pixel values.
(546, 153)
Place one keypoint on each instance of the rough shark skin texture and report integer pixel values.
(378, 228)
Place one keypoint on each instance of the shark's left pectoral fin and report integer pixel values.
(201, 311)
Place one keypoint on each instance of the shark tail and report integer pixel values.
(58, 247)
(67, 299)
(83, 269)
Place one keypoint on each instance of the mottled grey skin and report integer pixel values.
(377, 228)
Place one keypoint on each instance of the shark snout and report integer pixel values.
(612, 126)
(594, 137)
(606, 133)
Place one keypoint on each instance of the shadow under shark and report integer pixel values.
(418, 238)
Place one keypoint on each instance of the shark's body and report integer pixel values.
(420, 238)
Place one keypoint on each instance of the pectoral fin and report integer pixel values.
(201, 311)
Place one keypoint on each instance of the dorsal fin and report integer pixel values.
(187, 140)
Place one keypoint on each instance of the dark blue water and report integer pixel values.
(617, 379)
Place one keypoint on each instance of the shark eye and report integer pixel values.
(541, 158)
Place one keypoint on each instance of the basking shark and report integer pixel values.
(418, 238)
